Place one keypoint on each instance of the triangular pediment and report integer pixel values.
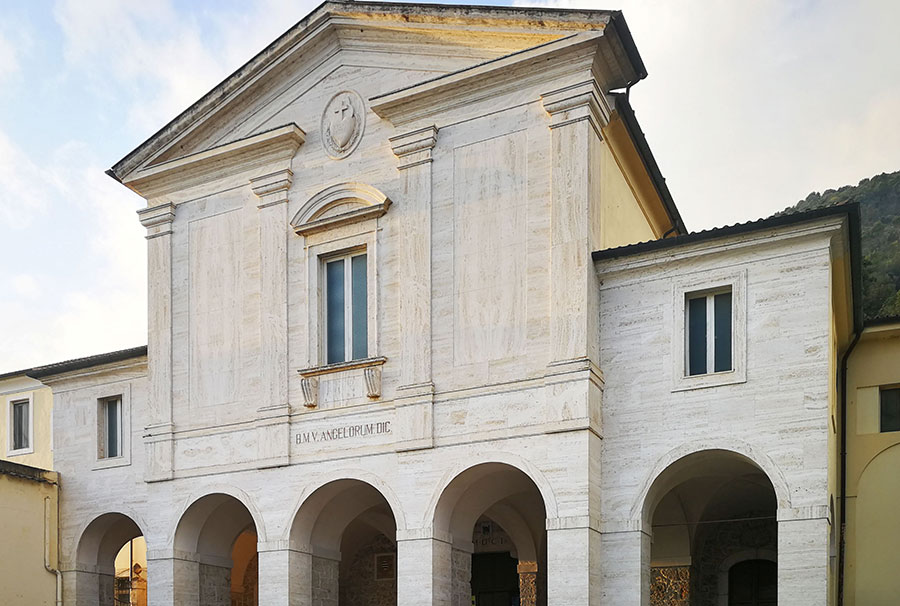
(413, 43)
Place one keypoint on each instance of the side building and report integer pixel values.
(29, 492)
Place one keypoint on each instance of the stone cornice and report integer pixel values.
(272, 188)
(157, 219)
(274, 146)
(416, 104)
(576, 103)
(414, 148)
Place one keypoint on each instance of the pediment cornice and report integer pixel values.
(475, 33)
(271, 148)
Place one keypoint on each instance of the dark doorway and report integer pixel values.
(753, 583)
(495, 580)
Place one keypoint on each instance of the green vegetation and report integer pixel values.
(879, 205)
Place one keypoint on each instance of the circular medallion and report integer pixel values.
(342, 124)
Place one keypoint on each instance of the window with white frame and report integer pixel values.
(110, 427)
(346, 307)
(21, 427)
(708, 332)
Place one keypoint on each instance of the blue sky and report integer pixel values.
(749, 106)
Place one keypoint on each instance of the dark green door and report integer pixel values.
(753, 583)
(495, 581)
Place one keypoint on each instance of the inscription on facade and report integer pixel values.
(342, 433)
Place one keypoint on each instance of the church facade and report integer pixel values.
(425, 327)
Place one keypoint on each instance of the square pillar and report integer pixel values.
(625, 578)
(573, 562)
(424, 569)
(172, 581)
(803, 561)
(285, 575)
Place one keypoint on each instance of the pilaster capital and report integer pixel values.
(272, 188)
(575, 103)
(157, 219)
(414, 148)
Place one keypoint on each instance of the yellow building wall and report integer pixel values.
(621, 219)
(23, 528)
(21, 388)
(873, 474)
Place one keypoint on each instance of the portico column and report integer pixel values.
(172, 579)
(527, 583)
(413, 404)
(803, 556)
(424, 568)
(285, 575)
(625, 566)
(573, 562)
(158, 435)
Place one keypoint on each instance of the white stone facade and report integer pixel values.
(506, 376)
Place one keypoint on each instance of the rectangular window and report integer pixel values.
(890, 409)
(346, 313)
(709, 333)
(110, 427)
(21, 424)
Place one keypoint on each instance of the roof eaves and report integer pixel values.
(623, 106)
(56, 368)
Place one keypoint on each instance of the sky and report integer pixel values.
(748, 107)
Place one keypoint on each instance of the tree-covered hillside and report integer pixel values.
(879, 205)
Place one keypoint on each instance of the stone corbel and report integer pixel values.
(157, 219)
(575, 103)
(414, 148)
(372, 375)
(310, 387)
(272, 188)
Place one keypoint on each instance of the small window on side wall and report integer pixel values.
(708, 325)
(890, 409)
(20, 425)
(346, 308)
(110, 438)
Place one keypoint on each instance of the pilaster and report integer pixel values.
(158, 434)
(573, 562)
(273, 415)
(424, 568)
(415, 395)
(577, 114)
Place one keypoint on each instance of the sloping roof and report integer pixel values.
(850, 210)
(157, 142)
(56, 368)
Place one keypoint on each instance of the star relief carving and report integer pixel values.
(343, 122)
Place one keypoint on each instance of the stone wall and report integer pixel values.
(215, 585)
(717, 542)
(325, 581)
(359, 586)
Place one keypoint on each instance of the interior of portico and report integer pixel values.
(714, 533)
(345, 534)
(216, 540)
(94, 577)
(495, 516)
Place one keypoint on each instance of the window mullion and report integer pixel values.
(710, 333)
(348, 307)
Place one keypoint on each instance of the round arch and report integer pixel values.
(356, 475)
(506, 459)
(229, 491)
(100, 539)
(661, 478)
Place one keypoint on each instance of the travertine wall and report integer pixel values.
(776, 414)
